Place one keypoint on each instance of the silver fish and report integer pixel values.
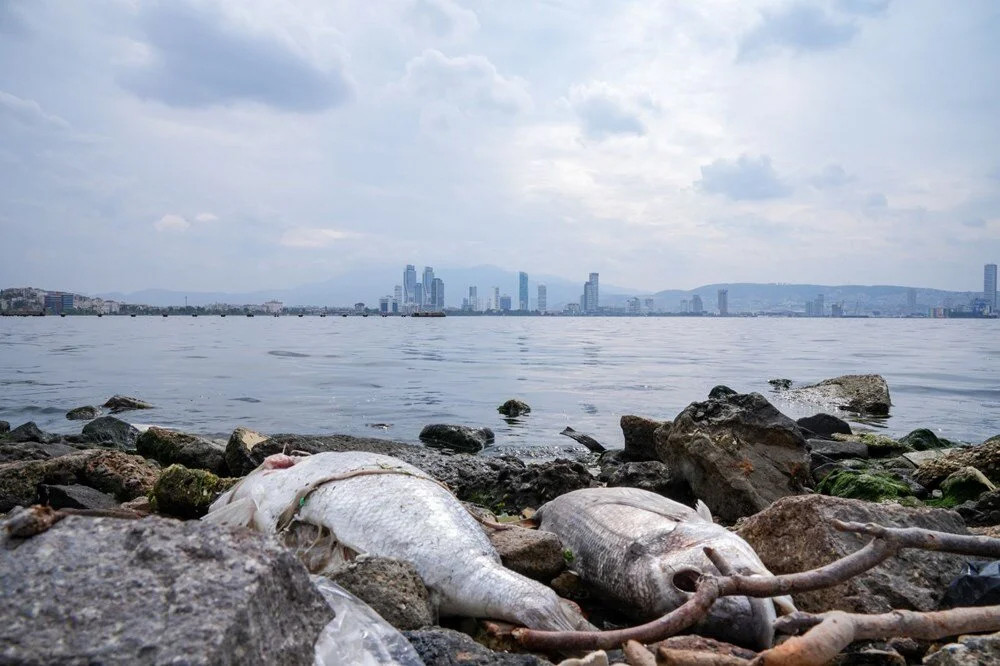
(381, 506)
(644, 553)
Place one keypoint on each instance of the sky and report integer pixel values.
(247, 144)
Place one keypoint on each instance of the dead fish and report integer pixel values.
(381, 506)
(644, 553)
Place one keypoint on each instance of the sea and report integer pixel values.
(389, 377)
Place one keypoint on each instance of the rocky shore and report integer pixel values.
(131, 576)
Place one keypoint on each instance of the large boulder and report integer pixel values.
(114, 472)
(111, 432)
(170, 447)
(737, 453)
(651, 475)
(533, 553)
(240, 458)
(27, 432)
(456, 437)
(187, 493)
(869, 485)
(124, 403)
(795, 534)
(18, 451)
(923, 439)
(983, 511)
(392, 588)
(640, 437)
(4, 427)
(965, 485)
(83, 413)
(75, 497)
(861, 394)
(824, 425)
(155, 591)
(985, 458)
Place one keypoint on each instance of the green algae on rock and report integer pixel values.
(187, 493)
(865, 485)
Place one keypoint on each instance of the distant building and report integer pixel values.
(505, 303)
(274, 307)
(696, 304)
(397, 293)
(543, 298)
(359, 307)
(522, 291)
(409, 284)
(590, 301)
(810, 308)
(496, 298)
(437, 294)
(650, 305)
(911, 299)
(990, 285)
(395, 306)
(58, 302)
(418, 296)
(685, 305)
(632, 305)
(383, 304)
(723, 302)
(428, 284)
(573, 308)
(594, 281)
(837, 310)
(474, 299)
(819, 306)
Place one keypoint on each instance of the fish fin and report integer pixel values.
(239, 513)
(784, 605)
(703, 510)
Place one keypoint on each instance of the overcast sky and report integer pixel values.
(246, 144)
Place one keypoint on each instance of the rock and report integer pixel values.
(868, 485)
(983, 511)
(187, 493)
(104, 590)
(27, 432)
(964, 485)
(75, 497)
(4, 427)
(640, 437)
(392, 588)
(720, 392)
(123, 403)
(514, 408)
(447, 647)
(922, 439)
(83, 413)
(532, 553)
(111, 432)
(456, 437)
(240, 457)
(17, 451)
(917, 458)
(114, 472)
(171, 446)
(592, 444)
(795, 534)
(832, 449)
(985, 458)
(824, 425)
(140, 504)
(967, 651)
(737, 454)
(869, 656)
(651, 475)
(780, 384)
(702, 644)
(861, 394)
(569, 586)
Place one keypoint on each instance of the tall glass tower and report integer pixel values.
(522, 291)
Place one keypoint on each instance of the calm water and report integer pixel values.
(337, 375)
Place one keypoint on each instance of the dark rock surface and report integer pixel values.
(720, 392)
(861, 394)
(824, 425)
(447, 647)
(111, 432)
(640, 437)
(114, 472)
(392, 588)
(737, 454)
(456, 437)
(650, 475)
(795, 534)
(831, 449)
(124, 403)
(75, 497)
(982, 512)
(4, 427)
(923, 439)
(985, 458)
(187, 493)
(27, 432)
(83, 413)
(533, 553)
(965, 485)
(103, 590)
(967, 651)
(17, 451)
(514, 408)
(170, 447)
(780, 384)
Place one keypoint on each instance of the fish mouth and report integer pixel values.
(744, 621)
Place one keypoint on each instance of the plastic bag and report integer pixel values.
(977, 585)
(357, 634)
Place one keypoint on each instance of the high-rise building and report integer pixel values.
(496, 298)
(696, 305)
(594, 279)
(543, 298)
(911, 299)
(418, 295)
(428, 284)
(990, 285)
(474, 299)
(522, 291)
(437, 294)
(650, 305)
(505, 304)
(383, 304)
(397, 293)
(723, 302)
(632, 305)
(409, 283)
(57, 303)
(587, 300)
(819, 306)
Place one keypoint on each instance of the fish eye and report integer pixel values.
(686, 580)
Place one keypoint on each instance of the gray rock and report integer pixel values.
(447, 647)
(835, 450)
(651, 475)
(83, 413)
(27, 432)
(964, 485)
(824, 425)
(920, 457)
(514, 408)
(392, 588)
(170, 447)
(187, 493)
(720, 392)
(102, 590)
(123, 403)
(738, 454)
(240, 458)
(985, 458)
(780, 384)
(532, 553)
(795, 534)
(456, 437)
(984, 511)
(4, 427)
(111, 432)
(862, 394)
(75, 497)
(17, 451)
(967, 651)
(922, 439)
(640, 437)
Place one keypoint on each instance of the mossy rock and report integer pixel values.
(514, 408)
(923, 439)
(187, 493)
(864, 485)
(965, 485)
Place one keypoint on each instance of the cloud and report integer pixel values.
(605, 112)
(443, 18)
(743, 178)
(796, 27)
(28, 112)
(865, 7)
(197, 59)
(171, 223)
(205, 217)
(312, 237)
(876, 200)
(832, 175)
(470, 81)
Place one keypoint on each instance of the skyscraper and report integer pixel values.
(543, 298)
(437, 294)
(496, 298)
(418, 295)
(428, 284)
(522, 291)
(990, 285)
(587, 301)
(505, 303)
(696, 305)
(594, 279)
(409, 283)
(397, 293)
(473, 299)
(723, 302)
(819, 306)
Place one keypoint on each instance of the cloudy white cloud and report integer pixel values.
(604, 111)
(303, 237)
(171, 223)
(745, 177)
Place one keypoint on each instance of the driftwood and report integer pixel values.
(830, 632)
(586, 440)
